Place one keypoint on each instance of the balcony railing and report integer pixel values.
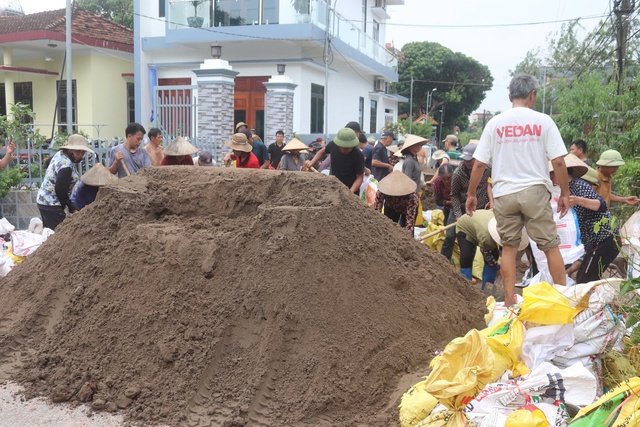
(233, 13)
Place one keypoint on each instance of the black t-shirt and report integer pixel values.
(381, 154)
(275, 153)
(345, 167)
(367, 152)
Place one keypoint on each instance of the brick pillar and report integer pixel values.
(216, 81)
(279, 106)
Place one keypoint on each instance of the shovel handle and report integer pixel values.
(433, 233)
(124, 166)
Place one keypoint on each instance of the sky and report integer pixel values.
(500, 48)
(475, 28)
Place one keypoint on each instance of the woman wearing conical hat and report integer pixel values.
(55, 192)
(86, 190)
(397, 193)
(178, 153)
(291, 160)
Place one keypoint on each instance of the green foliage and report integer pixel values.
(462, 82)
(626, 183)
(9, 178)
(60, 138)
(465, 137)
(118, 11)
(424, 130)
(396, 127)
(17, 126)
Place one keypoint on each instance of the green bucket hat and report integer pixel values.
(346, 138)
(610, 158)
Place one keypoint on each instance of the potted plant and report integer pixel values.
(303, 10)
(195, 21)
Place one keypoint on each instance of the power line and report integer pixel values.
(518, 24)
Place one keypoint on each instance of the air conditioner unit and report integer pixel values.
(379, 85)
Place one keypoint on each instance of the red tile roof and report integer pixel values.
(85, 26)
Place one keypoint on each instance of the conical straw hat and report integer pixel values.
(98, 176)
(579, 167)
(397, 184)
(294, 144)
(180, 147)
(413, 140)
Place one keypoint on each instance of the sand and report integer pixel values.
(213, 297)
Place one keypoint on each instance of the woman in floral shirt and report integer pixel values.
(601, 242)
(397, 193)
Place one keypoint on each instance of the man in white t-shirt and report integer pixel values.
(518, 143)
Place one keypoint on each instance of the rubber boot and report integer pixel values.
(466, 272)
(488, 275)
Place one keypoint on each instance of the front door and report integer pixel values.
(249, 102)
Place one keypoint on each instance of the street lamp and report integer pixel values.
(441, 121)
(430, 99)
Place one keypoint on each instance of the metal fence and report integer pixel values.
(33, 161)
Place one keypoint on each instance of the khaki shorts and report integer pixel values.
(529, 208)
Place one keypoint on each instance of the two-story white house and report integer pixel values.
(336, 57)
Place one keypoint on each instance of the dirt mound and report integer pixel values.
(202, 297)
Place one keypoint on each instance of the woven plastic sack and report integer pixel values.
(505, 339)
(620, 407)
(544, 305)
(416, 405)
(529, 416)
(462, 370)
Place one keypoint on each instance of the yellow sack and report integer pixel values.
(416, 405)
(419, 217)
(462, 370)
(619, 407)
(505, 340)
(544, 305)
(17, 259)
(436, 223)
(527, 416)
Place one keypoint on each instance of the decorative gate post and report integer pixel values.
(216, 81)
(279, 105)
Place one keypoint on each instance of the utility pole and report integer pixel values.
(623, 9)
(411, 106)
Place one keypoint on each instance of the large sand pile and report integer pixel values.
(202, 297)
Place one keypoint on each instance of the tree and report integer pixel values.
(461, 82)
(118, 11)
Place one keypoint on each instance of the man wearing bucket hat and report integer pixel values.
(608, 164)
(178, 153)
(241, 148)
(240, 126)
(128, 158)
(601, 246)
(518, 143)
(347, 161)
(291, 160)
(86, 190)
(397, 193)
(55, 192)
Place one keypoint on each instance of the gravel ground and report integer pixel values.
(16, 412)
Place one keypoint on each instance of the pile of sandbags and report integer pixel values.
(18, 244)
(537, 363)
